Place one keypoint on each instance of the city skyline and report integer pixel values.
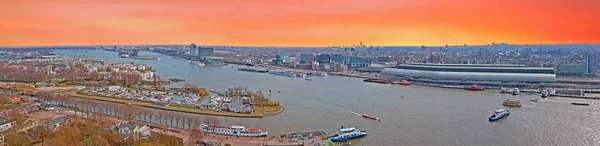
(298, 23)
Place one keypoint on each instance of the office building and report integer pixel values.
(357, 62)
(570, 69)
(339, 58)
(384, 59)
(193, 50)
(324, 58)
(591, 63)
(205, 51)
(307, 58)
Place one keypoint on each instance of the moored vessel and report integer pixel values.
(534, 99)
(580, 103)
(513, 103)
(474, 88)
(283, 73)
(499, 114)
(233, 131)
(377, 80)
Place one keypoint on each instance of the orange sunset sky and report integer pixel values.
(298, 22)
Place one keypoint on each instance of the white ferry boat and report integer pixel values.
(283, 73)
(233, 131)
(347, 134)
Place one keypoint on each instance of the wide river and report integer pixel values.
(426, 116)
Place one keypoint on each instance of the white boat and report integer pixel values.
(545, 93)
(233, 131)
(499, 114)
(504, 90)
(348, 134)
(534, 99)
(509, 102)
(227, 100)
(319, 73)
(515, 91)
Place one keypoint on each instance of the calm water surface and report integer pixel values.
(426, 116)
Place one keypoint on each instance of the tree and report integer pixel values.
(203, 92)
(94, 76)
(16, 139)
(42, 133)
(195, 136)
(161, 116)
(129, 111)
(210, 120)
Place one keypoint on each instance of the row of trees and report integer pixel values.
(85, 107)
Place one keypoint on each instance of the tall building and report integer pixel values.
(206, 51)
(570, 69)
(339, 58)
(307, 58)
(193, 50)
(591, 63)
(324, 58)
(358, 62)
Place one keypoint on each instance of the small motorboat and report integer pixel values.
(371, 117)
(545, 93)
(348, 144)
(394, 82)
(499, 114)
(514, 103)
(534, 99)
(580, 103)
(401, 96)
(404, 82)
(515, 91)
(308, 79)
(474, 88)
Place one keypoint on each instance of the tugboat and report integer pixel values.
(545, 93)
(347, 134)
(499, 114)
(513, 103)
(371, 117)
(474, 88)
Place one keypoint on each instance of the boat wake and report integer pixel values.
(324, 111)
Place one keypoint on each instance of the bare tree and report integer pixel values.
(129, 111)
(195, 136)
(210, 120)
(161, 116)
(170, 117)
